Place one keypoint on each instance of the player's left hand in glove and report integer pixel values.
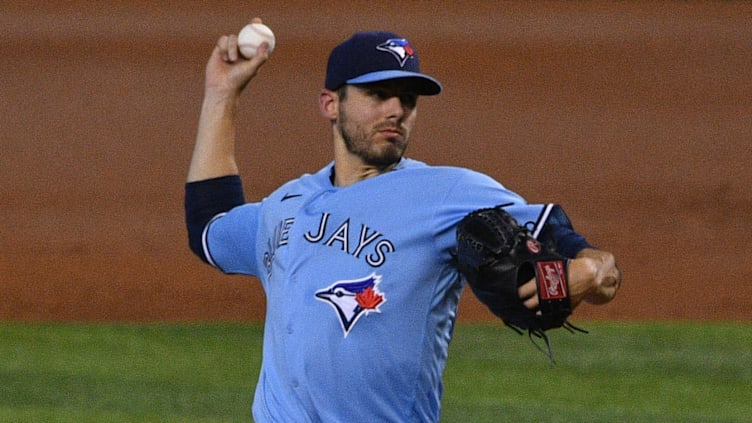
(496, 256)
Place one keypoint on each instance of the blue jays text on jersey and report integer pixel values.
(279, 239)
(361, 288)
(340, 237)
(337, 236)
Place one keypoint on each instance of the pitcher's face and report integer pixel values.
(375, 121)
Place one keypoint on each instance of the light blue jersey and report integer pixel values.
(361, 287)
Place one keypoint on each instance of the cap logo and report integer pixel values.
(400, 48)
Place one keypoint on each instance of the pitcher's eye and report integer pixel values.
(409, 99)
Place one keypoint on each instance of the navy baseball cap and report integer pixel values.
(368, 57)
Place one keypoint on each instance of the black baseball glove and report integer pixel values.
(496, 256)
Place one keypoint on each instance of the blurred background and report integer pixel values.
(635, 116)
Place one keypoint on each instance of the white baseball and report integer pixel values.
(251, 36)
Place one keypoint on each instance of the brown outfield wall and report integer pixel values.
(634, 116)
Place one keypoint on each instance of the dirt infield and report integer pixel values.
(635, 116)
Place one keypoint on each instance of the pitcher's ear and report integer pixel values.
(329, 104)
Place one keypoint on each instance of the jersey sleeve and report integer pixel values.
(468, 191)
(231, 240)
(473, 190)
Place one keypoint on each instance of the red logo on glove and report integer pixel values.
(552, 280)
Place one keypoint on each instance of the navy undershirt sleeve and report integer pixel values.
(568, 242)
(206, 199)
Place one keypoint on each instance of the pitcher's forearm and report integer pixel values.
(214, 152)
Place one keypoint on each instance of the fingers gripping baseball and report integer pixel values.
(228, 70)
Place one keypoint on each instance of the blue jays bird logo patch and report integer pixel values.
(352, 299)
(399, 47)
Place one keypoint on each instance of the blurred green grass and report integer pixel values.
(620, 372)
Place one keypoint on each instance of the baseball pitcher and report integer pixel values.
(364, 260)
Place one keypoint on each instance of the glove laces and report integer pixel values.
(538, 334)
